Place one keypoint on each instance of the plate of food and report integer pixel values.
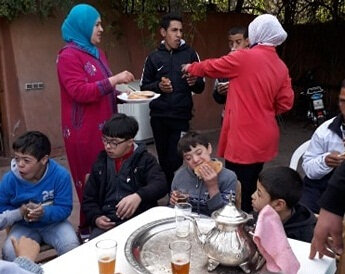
(138, 96)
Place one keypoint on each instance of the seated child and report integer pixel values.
(281, 187)
(45, 189)
(125, 180)
(208, 192)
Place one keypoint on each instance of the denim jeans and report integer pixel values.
(61, 236)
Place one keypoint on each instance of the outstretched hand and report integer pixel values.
(184, 68)
(123, 77)
(327, 238)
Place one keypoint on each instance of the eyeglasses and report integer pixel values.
(112, 143)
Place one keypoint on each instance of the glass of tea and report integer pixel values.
(180, 256)
(181, 195)
(106, 255)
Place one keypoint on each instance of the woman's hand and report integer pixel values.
(184, 68)
(123, 77)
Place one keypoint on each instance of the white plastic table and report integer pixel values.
(83, 260)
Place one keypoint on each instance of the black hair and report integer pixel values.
(121, 126)
(239, 30)
(282, 183)
(34, 143)
(165, 21)
(343, 84)
(191, 139)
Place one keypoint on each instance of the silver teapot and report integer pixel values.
(228, 242)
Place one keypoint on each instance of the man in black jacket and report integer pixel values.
(125, 180)
(172, 111)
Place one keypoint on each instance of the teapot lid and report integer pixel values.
(230, 214)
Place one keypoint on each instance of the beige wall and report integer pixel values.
(28, 52)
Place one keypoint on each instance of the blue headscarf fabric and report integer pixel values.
(78, 27)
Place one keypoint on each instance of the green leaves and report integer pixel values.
(11, 9)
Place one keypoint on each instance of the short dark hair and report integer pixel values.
(239, 30)
(191, 139)
(165, 21)
(34, 143)
(282, 183)
(121, 126)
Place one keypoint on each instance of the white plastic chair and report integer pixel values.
(298, 153)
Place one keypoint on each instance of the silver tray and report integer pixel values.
(147, 249)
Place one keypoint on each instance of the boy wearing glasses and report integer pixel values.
(125, 180)
(42, 191)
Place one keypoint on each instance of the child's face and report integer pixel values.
(116, 147)
(237, 41)
(29, 167)
(260, 197)
(197, 155)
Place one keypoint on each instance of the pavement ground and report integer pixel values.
(293, 133)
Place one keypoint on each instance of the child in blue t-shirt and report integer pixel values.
(43, 189)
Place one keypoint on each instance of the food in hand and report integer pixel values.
(141, 94)
(215, 164)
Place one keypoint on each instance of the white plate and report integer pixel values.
(124, 97)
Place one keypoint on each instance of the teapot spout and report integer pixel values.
(200, 237)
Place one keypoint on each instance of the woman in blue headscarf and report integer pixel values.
(88, 94)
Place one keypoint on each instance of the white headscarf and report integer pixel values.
(266, 30)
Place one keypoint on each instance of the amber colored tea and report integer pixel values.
(106, 265)
(180, 266)
(182, 198)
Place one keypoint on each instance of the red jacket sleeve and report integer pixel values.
(285, 97)
(223, 67)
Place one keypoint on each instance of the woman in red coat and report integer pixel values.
(260, 89)
(88, 94)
